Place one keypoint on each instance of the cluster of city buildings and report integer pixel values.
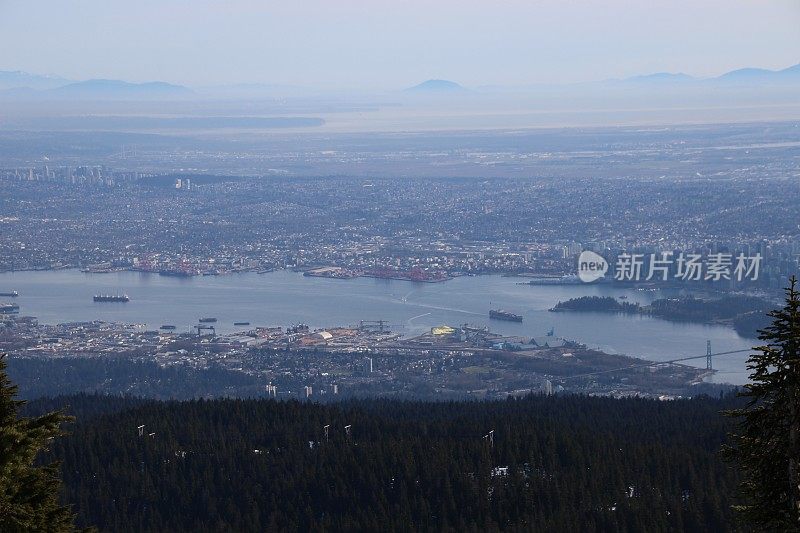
(460, 361)
(77, 176)
(419, 231)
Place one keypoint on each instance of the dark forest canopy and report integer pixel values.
(559, 463)
(39, 377)
(597, 303)
(747, 314)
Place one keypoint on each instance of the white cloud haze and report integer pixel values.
(390, 44)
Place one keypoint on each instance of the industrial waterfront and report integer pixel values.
(284, 298)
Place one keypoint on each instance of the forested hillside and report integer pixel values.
(746, 314)
(72, 375)
(552, 464)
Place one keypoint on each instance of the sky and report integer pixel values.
(389, 44)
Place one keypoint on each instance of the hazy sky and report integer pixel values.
(394, 43)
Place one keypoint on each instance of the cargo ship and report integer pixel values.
(500, 314)
(207, 320)
(11, 294)
(241, 323)
(111, 298)
(167, 326)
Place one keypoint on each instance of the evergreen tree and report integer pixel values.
(766, 445)
(29, 494)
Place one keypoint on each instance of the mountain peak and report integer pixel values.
(436, 86)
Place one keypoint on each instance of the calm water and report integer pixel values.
(285, 298)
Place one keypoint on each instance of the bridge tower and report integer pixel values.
(708, 355)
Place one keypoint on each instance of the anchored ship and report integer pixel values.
(500, 314)
(111, 298)
(208, 320)
(11, 294)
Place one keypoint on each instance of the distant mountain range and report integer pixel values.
(19, 84)
(741, 77)
(23, 85)
(791, 74)
(744, 76)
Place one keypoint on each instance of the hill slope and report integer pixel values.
(116, 89)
